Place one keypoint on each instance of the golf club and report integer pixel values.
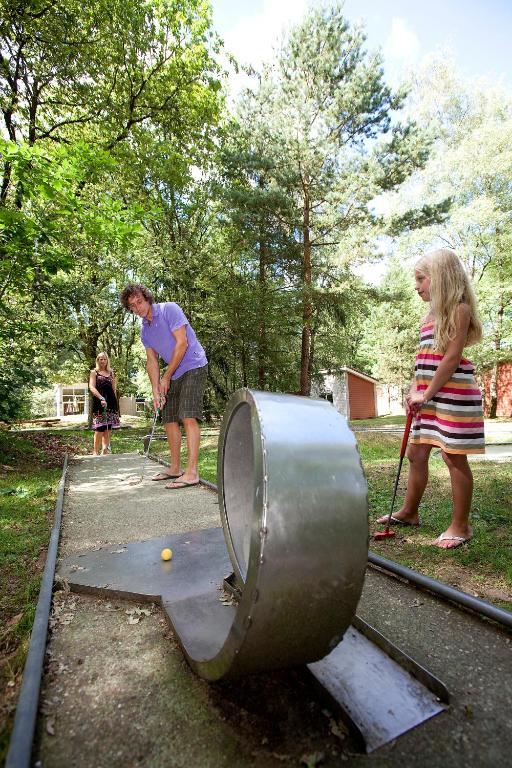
(387, 533)
(146, 453)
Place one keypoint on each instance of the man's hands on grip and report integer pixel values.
(160, 396)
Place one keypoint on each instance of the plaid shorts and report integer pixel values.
(184, 399)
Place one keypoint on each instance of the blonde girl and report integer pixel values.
(444, 396)
(105, 410)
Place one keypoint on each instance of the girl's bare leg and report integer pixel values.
(462, 492)
(97, 444)
(418, 456)
(106, 441)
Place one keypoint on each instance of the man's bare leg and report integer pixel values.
(193, 436)
(173, 432)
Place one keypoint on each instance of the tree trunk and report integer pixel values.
(307, 312)
(262, 329)
(244, 365)
(493, 384)
(90, 347)
(493, 392)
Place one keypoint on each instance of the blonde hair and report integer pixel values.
(109, 369)
(449, 287)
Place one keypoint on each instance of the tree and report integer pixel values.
(255, 212)
(326, 103)
(391, 334)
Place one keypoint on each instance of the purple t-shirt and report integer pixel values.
(157, 334)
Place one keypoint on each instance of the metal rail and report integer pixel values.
(443, 590)
(20, 745)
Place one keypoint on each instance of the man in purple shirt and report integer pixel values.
(166, 333)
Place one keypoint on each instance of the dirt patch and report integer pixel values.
(461, 577)
(139, 704)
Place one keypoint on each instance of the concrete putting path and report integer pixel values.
(118, 692)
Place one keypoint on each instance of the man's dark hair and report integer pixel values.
(130, 290)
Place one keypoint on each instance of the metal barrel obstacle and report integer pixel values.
(292, 554)
(294, 511)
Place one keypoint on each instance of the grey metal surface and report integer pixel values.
(294, 510)
(293, 503)
(381, 698)
(136, 570)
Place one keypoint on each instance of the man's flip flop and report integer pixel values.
(460, 540)
(176, 486)
(165, 476)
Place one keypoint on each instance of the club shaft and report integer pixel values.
(403, 448)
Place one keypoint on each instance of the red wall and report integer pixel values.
(504, 390)
(361, 397)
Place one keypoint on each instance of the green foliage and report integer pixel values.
(470, 168)
(391, 333)
(312, 145)
(426, 216)
(121, 163)
(100, 102)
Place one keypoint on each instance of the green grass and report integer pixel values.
(27, 502)
(485, 566)
(380, 421)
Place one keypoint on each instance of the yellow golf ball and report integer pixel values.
(166, 554)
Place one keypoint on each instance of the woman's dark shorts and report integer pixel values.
(184, 398)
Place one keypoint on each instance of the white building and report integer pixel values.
(72, 400)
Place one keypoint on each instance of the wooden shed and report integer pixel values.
(352, 393)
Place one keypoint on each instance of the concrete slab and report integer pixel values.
(118, 691)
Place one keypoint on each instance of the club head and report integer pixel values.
(387, 534)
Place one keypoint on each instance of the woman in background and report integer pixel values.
(105, 410)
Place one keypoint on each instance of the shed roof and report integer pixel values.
(347, 369)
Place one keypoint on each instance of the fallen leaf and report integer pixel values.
(338, 729)
(311, 761)
(14, 619)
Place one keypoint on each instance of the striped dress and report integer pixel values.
(453, 418)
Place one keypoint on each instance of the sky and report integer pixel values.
(477, 31)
